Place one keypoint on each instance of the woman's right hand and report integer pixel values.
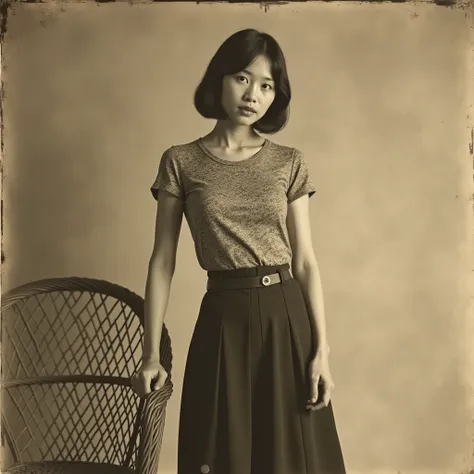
(149, 377)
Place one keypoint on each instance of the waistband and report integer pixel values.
(252, 277)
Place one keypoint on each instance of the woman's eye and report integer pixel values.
(241, 78)
(268, 87)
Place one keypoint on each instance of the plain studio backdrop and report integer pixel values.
(95, 94)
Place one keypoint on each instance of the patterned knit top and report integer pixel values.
(236, 210)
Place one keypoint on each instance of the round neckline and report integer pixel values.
(209, 153)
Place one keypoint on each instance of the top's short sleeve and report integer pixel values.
(169, 176)
(301, 182)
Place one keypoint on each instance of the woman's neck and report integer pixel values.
(227, 135)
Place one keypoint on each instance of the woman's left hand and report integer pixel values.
(320, 380)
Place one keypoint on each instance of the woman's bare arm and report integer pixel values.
(161, 267)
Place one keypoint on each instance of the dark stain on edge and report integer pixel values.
(464, 4)
(4, 6)
(445, 3)
(4, 10)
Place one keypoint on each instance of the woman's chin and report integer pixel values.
(241, 120)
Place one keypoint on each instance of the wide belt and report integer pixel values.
(248, 282)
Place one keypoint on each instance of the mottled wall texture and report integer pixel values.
(94, 95)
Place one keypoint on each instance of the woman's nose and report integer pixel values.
(250, 94)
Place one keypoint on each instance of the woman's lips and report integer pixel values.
(246, 111)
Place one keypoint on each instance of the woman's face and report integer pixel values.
(247, 95)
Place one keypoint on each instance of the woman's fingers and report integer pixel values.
(160, 380)
(314, 391)
(317, 406)
(327, 393)
(141, 383)
(325, 389)
(144, 381)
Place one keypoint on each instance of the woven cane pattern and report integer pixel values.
(154, 414)
(70, 346)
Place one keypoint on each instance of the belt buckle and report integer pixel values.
(266, 280)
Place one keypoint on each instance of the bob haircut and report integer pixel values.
(234, 55)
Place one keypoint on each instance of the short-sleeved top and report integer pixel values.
(236, 210)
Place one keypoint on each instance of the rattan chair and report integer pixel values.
(70, 346)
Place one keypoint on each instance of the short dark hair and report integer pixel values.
(234, 55)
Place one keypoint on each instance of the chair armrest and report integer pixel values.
(151, 429)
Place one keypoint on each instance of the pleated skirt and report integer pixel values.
(246, 383)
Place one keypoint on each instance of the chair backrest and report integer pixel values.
(70, 346)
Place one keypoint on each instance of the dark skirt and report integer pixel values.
(243, 407)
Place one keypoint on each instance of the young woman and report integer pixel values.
(257, 386)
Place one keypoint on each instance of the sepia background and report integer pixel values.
(95, 93)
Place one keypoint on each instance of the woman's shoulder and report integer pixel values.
(283, 150)
(187, 144)
(181, 150)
